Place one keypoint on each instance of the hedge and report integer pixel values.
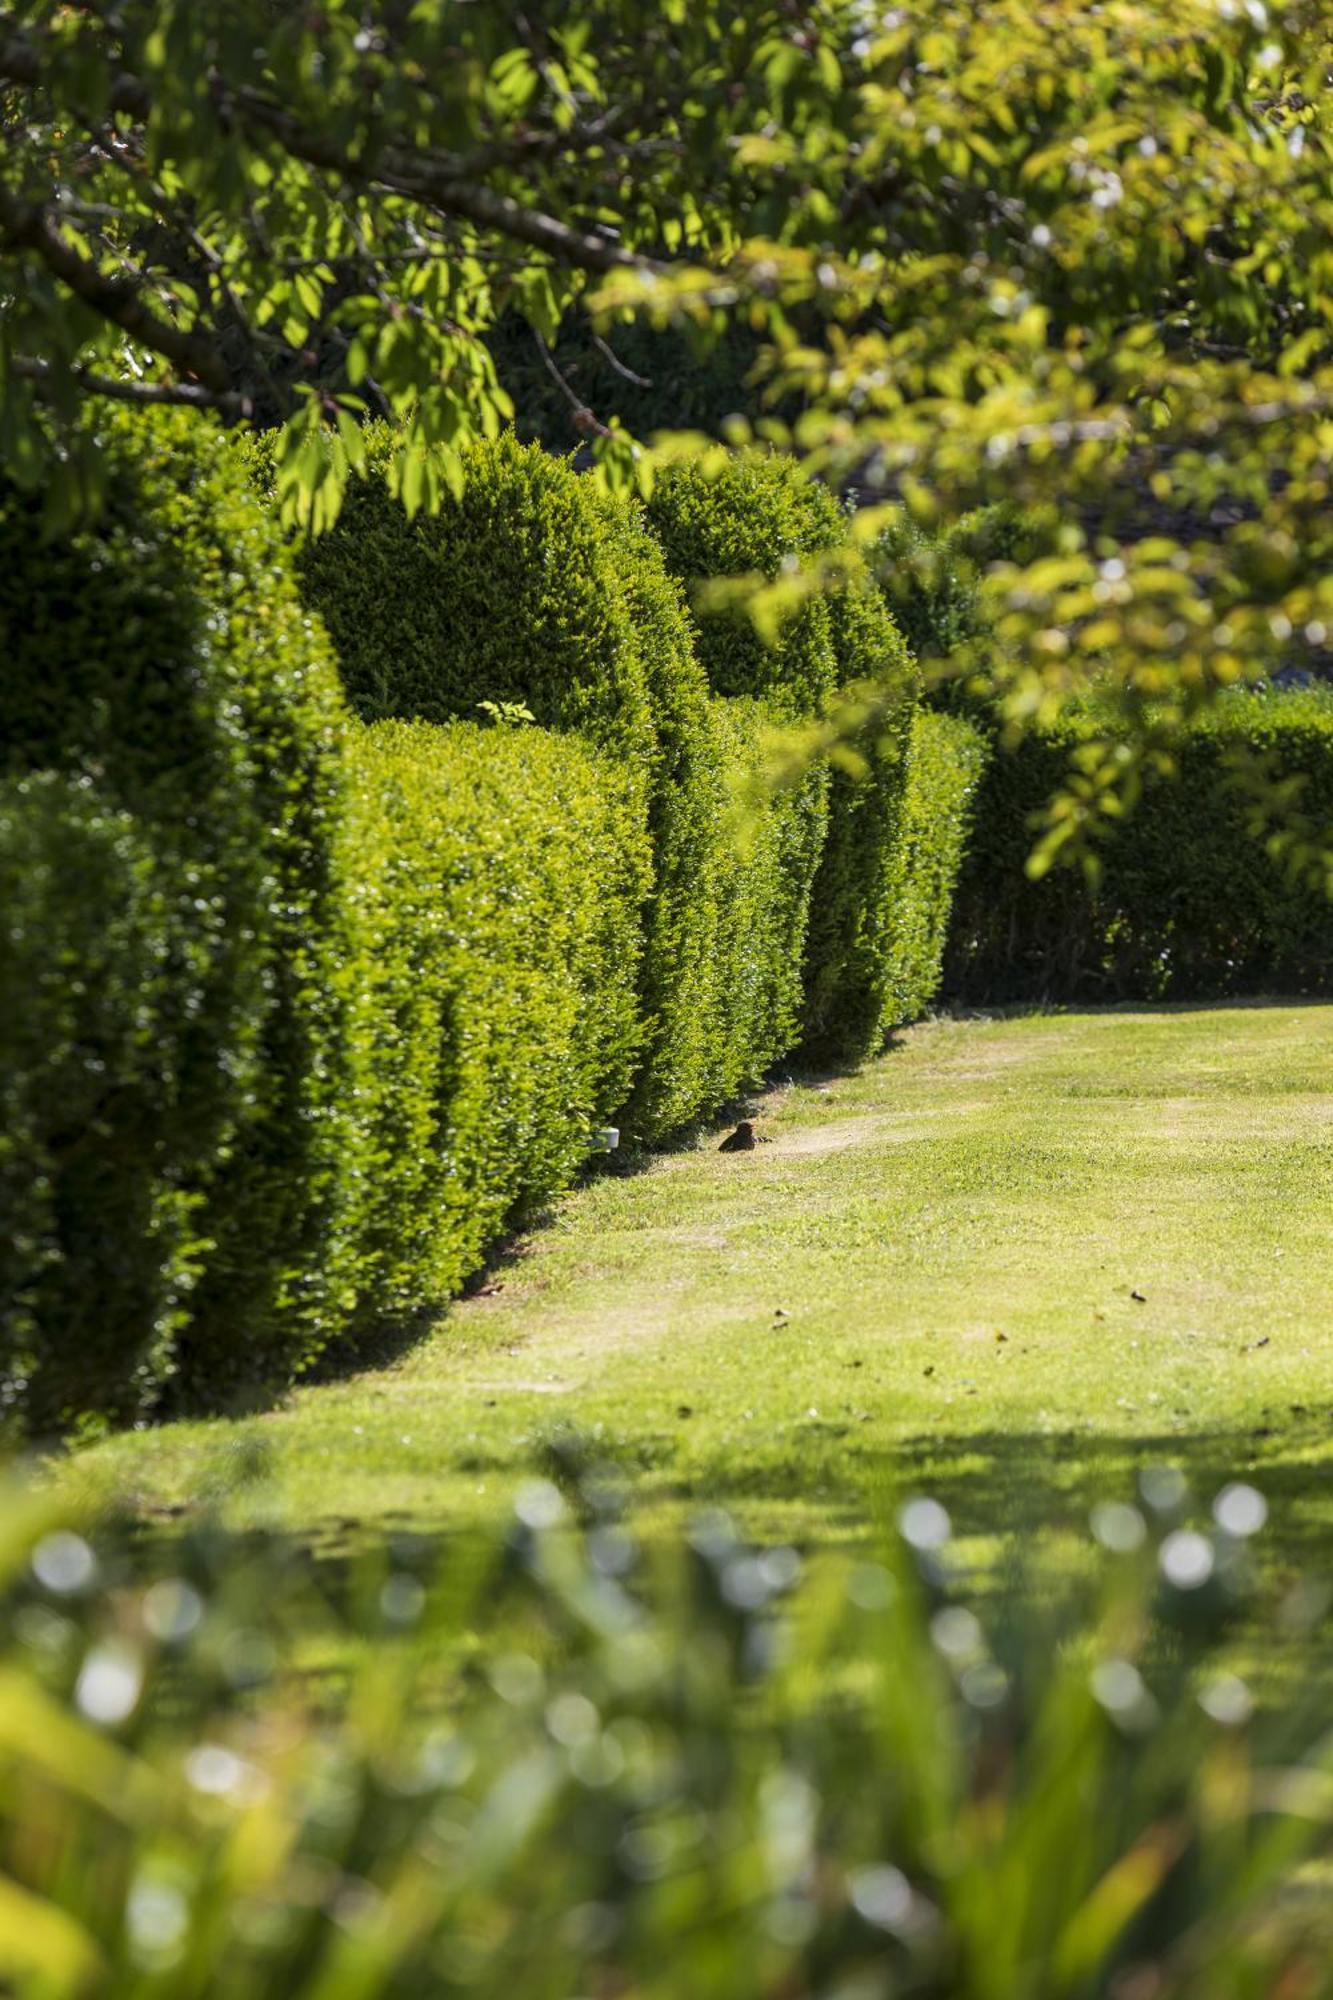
(946, 763)
(759, 515)
(299, 1012)
(1190, 904)
(160, 665)
(857, 908)
(756, 515)
(531, 588)
(502, 872)
(97, 989)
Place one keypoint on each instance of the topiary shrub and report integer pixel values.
(945, 764)
(101, 977)
(1191, 903)
(854, 915)
(503, 872)
(511, 592)
(530, 587)
(161, 655)
(756, 515)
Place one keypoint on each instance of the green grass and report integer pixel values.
(926, 1280)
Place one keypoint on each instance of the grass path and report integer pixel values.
(927, 1278)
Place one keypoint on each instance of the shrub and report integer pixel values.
(531, 588)
(502, 874)
(162, 656)
(99, 979)
(760, 879)
(1190, 903)
(854, 913)
(511, 592)
(755, 516)
(945, 763)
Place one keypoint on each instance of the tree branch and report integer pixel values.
(186, 395)
(28, 226)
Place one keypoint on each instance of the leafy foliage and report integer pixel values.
(680, 1774)
(163, 683)
(501, 876)
(751, 516)
(1217, 882)
(855, 908)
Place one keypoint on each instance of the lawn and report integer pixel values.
(1013, 1262)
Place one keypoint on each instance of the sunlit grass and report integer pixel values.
(926, 1280)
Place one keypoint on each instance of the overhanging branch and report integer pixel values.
(27, 225)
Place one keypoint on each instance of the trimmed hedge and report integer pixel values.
(160, 662)
(512, 592)
(502, 876)
(855, 910)
(761, 876)
(940, 823)
(98, 984)
(756, 515)
(1190, 904)
(532, 588)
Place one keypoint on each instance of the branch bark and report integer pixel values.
(186, 395)
(27, 225)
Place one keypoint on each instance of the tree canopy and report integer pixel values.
(979, 249)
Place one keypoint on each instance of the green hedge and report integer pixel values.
(1190, 904)
(532, 588)
(502, 876)
(945, 769)
(856, 910)
(97, 990)
(758, 515)
(754, 516)
(159, 663)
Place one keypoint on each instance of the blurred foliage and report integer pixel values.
(678, 1771)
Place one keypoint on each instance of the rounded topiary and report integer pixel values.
(101, 973)
(509, 593)
(160, 654)
(758, 516)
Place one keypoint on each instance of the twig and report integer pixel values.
(605, 349)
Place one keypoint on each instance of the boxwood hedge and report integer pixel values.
(502, 873)
(946, 763)
(160, 665)
(531, 588)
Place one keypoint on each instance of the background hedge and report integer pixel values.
(160, 666)
(1190, 903)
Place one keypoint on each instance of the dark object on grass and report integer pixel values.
(742, 1140)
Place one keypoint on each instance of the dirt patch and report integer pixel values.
(832, 1138)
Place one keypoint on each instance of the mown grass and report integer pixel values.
(927, 1280)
